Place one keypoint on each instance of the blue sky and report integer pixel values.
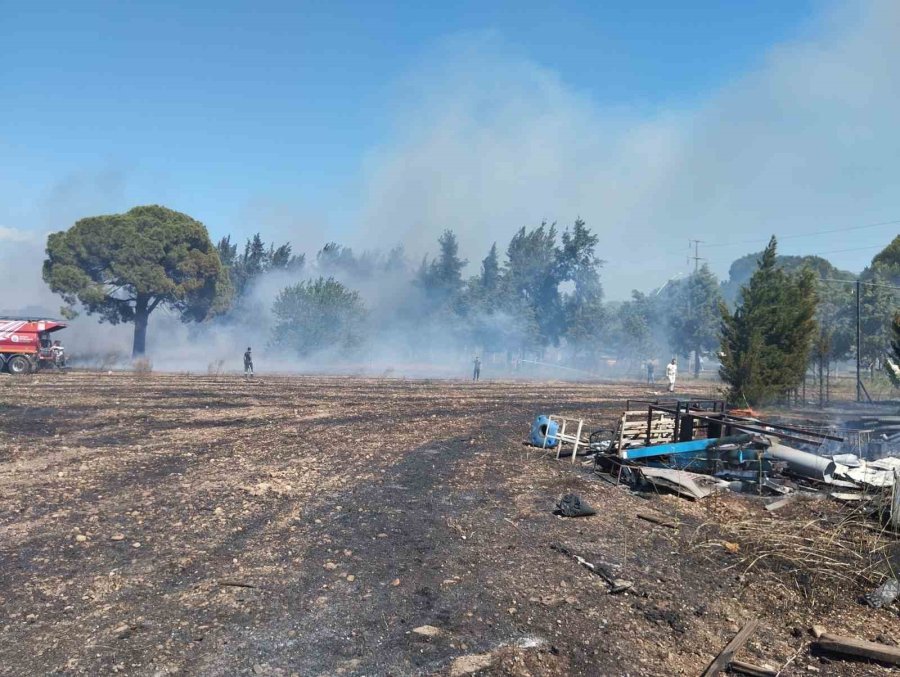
(316, 121)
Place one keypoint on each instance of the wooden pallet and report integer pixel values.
(634, 429)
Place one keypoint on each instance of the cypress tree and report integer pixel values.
(895, 342)
(767, 340)
(893, 362)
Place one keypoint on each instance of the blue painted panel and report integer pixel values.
(672, 448)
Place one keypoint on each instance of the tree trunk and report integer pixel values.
(696, 363)
(141, 315)
(821, 380)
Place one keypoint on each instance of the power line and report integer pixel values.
(863, 282)
(831, 251)
(852, 249)
(820, 232)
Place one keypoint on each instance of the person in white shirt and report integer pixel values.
(671, 373)
(59, 354)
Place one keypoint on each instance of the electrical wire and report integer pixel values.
(862, 282)
(791, 237)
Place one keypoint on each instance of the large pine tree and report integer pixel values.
(766, 341)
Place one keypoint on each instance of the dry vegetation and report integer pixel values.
(158, 524)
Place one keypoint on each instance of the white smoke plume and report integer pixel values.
(803, 142)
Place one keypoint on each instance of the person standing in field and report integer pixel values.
(671, 373)
(650, 368)
(476, 373)
(248, 364)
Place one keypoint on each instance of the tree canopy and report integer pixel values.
(318, 315)
(255, 260)
(893, 366)
(767, 339)
(124, 266)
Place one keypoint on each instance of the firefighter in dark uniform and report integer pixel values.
(248, 364)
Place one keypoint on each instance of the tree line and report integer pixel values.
(767, 324)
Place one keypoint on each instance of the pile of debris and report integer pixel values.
(813, 551)
(698, 447)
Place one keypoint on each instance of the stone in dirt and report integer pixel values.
(330, 566)
(427, 631)
(468, 665)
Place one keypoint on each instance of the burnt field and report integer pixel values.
(182, 525)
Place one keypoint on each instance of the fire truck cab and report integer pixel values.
(25, 344)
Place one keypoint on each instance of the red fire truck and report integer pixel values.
(25, 344)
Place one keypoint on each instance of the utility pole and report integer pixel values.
(696, 257)
(858, 334)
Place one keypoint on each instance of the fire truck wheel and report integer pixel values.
(18, 365)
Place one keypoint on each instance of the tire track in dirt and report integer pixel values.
(409, 567)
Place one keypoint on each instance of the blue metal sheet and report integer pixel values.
(672, 448)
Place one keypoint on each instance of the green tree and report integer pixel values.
(893, 367)
(878, 303)
(252, 264)
(227, 251)
(694, 316)
(887, 261)
(441, 280)
(743, 268)
(766, 341)
(336, 259)
(532, 275)
(395, 263)
(585, 315)
(255, 260)
(633, 327)
(317, 315)
(124, 266)
(895, 341)
(282, 258)
(489, 280)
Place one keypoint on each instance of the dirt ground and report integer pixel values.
(199, 525)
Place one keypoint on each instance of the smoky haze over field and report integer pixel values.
(804, 142)
(487, 141)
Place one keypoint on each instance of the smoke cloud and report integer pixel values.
(489, 142)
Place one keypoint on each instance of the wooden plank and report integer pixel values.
(662, 521)
(643, 426)
(643, 431)
(616, 585)
(753, 670)
(725, 657)
(577, 440)
(860, 647)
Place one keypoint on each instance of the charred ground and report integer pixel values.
(163, 524)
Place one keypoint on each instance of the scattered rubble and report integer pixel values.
(469, 665)
(571, 505)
